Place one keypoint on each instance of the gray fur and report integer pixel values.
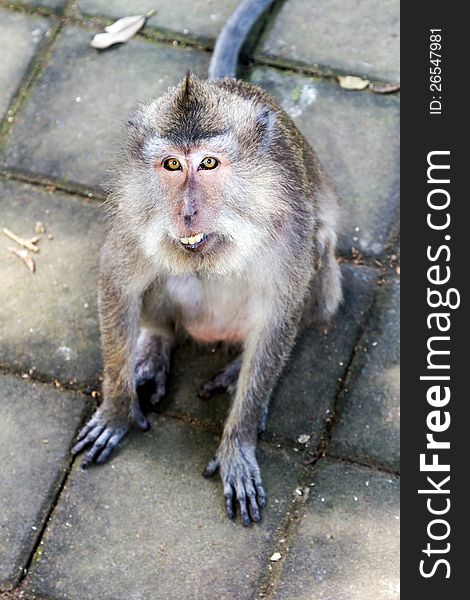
(269, 212)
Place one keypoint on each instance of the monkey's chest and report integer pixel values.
(210, 311)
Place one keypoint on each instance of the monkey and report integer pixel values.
(221, 226)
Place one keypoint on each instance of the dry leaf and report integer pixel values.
(120, 31)
(352, 83)
(25, 257)
(385, 88)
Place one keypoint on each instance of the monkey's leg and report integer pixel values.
(225, 380)
(264, 355)
(119, 317)
(153, 362)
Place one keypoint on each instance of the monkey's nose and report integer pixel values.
(189, 212)
(189, 217)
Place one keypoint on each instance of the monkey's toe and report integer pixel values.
(160, 378)
(144, 371)
(250, 497)
(208, 389)
(211, 468)
(103, 446)
(242, 485)
(225, 381)
(102, 436)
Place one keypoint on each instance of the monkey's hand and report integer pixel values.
(104, 432)
(240, 475)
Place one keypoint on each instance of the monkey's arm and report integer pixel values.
(119, 318)
(264, 356)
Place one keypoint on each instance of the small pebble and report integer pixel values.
(275, 557)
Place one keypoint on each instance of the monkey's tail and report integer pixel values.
(224, 59)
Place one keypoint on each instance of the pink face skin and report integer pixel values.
(193, 193)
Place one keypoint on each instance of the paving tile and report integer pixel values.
(347, 546)
(345, 35)
(56, 5)
(68, 129)
(37, 426)
(147, 526)
(194, 18)
(48, 320)
(369, 426)
(308, 386)
(20, 37)
(356, 135)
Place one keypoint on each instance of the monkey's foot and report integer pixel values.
(241, 478)
(158, 375)
(152, 365)
(224, 381)
(104, 435)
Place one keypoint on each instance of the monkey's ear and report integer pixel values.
(265, 123)
(134, 118)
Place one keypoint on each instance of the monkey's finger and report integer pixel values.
(207, 390)
(97, 447)
(139, 418)
(245, 517)
(110, 446)
(88, 427)
(211, 468)
(90, 437)
(254, 509)
(241, 498)
(261, 493)
(228, 494)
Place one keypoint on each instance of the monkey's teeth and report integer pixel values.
(195, 239)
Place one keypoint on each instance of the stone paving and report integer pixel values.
(146, 525)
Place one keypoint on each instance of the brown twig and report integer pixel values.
(21, 241)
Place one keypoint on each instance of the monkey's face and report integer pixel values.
(192, 183)
(201, 189)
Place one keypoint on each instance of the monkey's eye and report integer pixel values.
(209, 163)
(172, 164)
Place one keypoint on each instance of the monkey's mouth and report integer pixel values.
(195, 243)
